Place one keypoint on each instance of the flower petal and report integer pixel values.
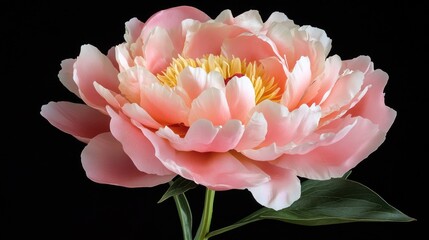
(92, 66)
(250, 20)
(79, 120)
(137, 113)
(218, 171)
(135, 144)
(158, 50)
(240, 95)
(284, 126)
(105, 162)
(164, 105)
(250, 47)
(211, 34)
(171, 19)
(345, 89)
(297, 83)
(357, 138)
(202, 136)
(281, 191)
(211, 105)
(254, 132)
(66, 76)
(133, 80)
(193, 81)
(133, 29)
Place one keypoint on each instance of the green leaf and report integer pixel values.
(337, 201)
(179, 186)
(185, 215)
(332, 201)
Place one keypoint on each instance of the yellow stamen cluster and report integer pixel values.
(265, 86)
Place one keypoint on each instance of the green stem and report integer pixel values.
(206, 218)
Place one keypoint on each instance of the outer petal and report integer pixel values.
(136, 145)
(105, 162)
(133, 30)
(336, 157)
(171, 20)
(137, 113)
(202, 136)
(284, 126)
(66, 76)
(281, 191)
(240, 95)
(92, 66)
(211, 105)
(79, 120)
(218, 171)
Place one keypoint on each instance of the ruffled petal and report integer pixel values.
(92, 66)
(250, 20)
(352, 141)
(158, 50)
(105, 162)
(202, 136)
(79, 120)
(66, 76)
(254, 132)
(133, 29)
(211, 105)
(195, 80)
(137, 113)
(171, 19)
(297, 83)
(218, 171)
(136, 145)
(281, 191)
(164, 105)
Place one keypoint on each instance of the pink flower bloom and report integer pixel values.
(229, 103)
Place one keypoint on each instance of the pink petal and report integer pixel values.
(133, 80)
(318, 35)
(345, 89)
(92, 66)
(225, 17)
(211, 105)
(250, 20)
(254, 132)
(320, 88)
(297, 83)
(358, 138)
(211, 34)
(164, 105)
(105, 162)
(113, 99)
(240, 95)
(133, 30)
(158, 50)
(171, 20)
(202, 136)
(275, 18)
(273, 67)
(111, 55)
(123, 57)
(284, 126)
(249, 47)
(195, 80)
(135, 145)
(281, 191)
(218, 171)
(79, 120)
(137, 113)
(361, 63)
(66, 76)
(372, 105)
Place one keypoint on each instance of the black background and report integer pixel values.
(45, 192)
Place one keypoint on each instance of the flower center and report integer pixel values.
(265, 86)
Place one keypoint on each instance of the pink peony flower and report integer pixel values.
(229, 103)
